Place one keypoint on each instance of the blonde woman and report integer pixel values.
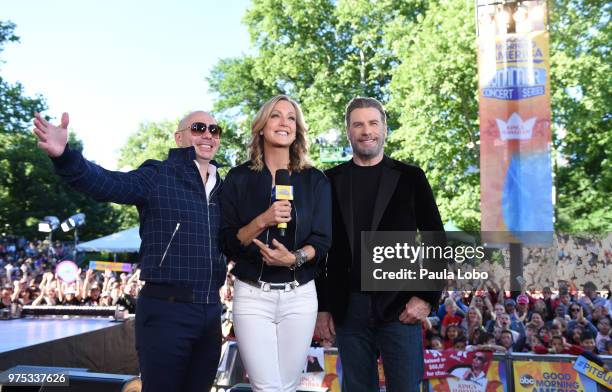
(472, 321)
(275, 301)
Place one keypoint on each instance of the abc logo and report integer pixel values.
(526, 380)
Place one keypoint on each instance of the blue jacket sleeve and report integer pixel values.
(104, 185)
(230, 221)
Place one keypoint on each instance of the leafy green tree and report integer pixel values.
(240, 93)
(320, 52)
(152, 140)
(434, 89)
(15, 108)
(580, 53)
(420, 58)
(29, 189)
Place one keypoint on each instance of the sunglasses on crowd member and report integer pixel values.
(198, 129)
(480, 358)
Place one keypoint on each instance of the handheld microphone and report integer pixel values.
(282, 191)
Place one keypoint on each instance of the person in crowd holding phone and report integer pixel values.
(275, 300)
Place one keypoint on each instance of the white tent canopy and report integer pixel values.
(123, 241)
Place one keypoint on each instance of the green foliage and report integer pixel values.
(152, 140)
(420, 58)
(417, 57)
(15, 109)
(240, 94)
(580, 55)
(435, 90)
(29, 189)
(320, 52)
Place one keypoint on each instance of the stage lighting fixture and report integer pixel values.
(48, 224)
(73, 222)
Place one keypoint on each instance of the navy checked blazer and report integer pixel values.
(179, 227)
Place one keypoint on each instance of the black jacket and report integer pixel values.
(178, 225)
(404, 202)
(247, 193)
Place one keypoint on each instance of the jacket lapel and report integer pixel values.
(345, 201)
(386, 188)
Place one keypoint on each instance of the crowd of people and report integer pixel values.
(566, 320)
(27, 276)
(561, 321)
(575, 259)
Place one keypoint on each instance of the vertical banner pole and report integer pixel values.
(515, 131)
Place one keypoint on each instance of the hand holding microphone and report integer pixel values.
(283, 190)
(278, 213)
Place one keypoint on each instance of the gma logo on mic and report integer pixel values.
(283, 192)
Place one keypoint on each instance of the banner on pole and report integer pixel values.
(515, 133)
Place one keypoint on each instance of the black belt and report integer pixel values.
(266, 286)
(168, 292)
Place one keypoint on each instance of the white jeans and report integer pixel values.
(274, 330)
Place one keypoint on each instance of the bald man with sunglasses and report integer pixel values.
(178, 314)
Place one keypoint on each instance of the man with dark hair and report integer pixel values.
(373, 192)
(587, 342)
(591, 298)
(604, 333)
(178, 316)
(476, 373)
(507, 340)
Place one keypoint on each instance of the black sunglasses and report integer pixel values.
(198, 129)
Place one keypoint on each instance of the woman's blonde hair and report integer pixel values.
(478, 314)
(298, 151)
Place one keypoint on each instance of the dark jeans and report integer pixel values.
(178, 344)
(359, 342)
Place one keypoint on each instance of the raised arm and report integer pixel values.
(39, 299)
(77, 286)
(135, 276)
(87, 177)
(86, 282)
(16, 291)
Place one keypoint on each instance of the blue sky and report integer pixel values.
(113, 64)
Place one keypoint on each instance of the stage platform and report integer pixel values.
(97, 344)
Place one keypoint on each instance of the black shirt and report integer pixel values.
(364, 183)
